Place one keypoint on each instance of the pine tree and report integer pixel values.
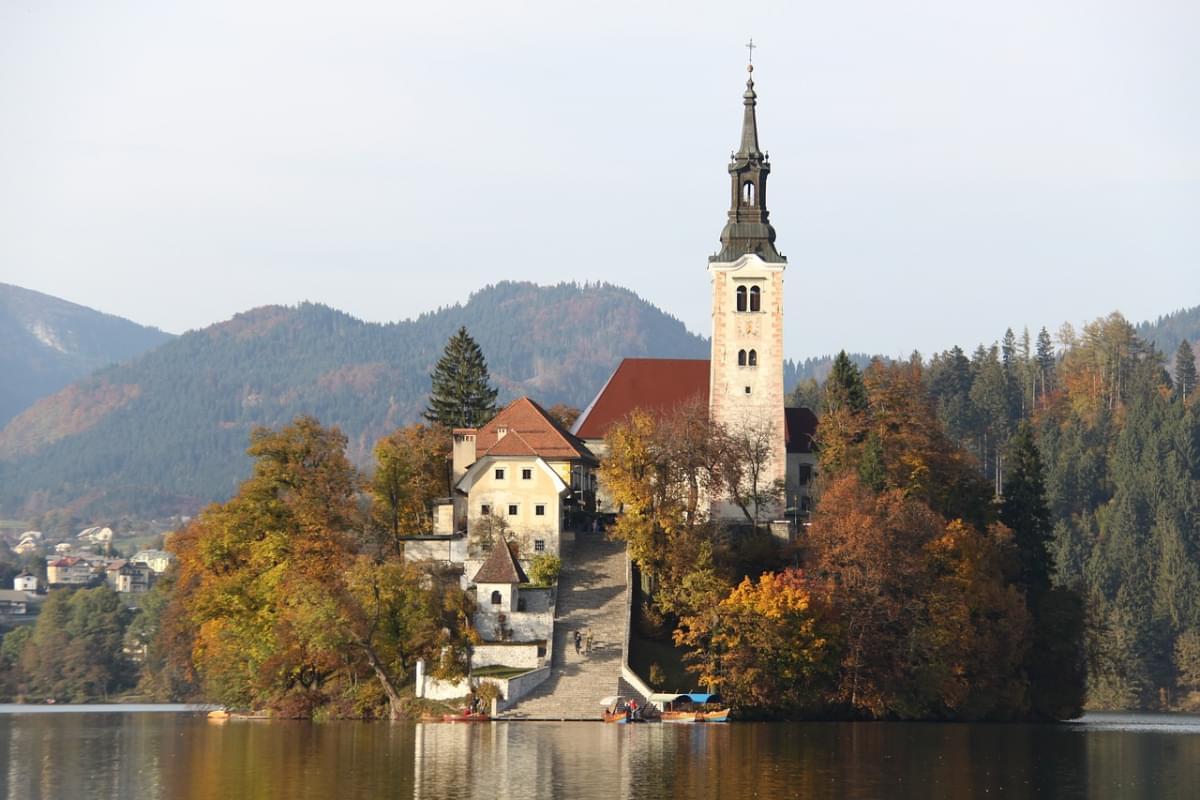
(1045, 362)
(1025, 511)
(1185, 370)
(462, 396)
(844, 388)
(1055, 661)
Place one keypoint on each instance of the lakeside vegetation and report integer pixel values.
(991, 532)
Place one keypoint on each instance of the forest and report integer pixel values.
(1116, 425)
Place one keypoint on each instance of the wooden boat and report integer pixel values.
(617, 711)
(478, 716)
(693, 707)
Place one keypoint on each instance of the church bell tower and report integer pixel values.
(746, 379)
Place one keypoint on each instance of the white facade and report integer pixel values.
(523, 494)
(746, 368)
(25, 583)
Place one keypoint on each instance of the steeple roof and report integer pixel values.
(748, 230)
(501, 567)
(749, 120)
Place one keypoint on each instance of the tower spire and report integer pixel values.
(748, 229)
(749, 100)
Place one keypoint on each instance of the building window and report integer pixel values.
(512, 509)
(526, 474)
(753, 358)
(539, 510)
(804, 474)
(539, 545)
(499, 473)
(755, 298)
(496, 598)
(741, 298)
(485, 510)
(741, 358)
(747, 390)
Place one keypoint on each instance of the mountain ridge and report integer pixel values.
(47, 342)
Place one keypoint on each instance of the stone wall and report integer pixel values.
(524, 654)
(514, 689)
(450, 549)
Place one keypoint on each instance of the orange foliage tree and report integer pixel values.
(764, 646)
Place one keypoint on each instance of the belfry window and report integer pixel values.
(748, 193)
(755, 298)
(754, 358)
(741, 358)
(741, 298)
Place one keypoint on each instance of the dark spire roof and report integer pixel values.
(749, 121)
(748, 229)
(501, 567)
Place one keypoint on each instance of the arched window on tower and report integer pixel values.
(748, 193)
(755, 298)
(741, 298)
(754, 358)
(741, 358)
(496, 598)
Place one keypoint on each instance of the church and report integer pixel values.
(742, 382)
(523, 483)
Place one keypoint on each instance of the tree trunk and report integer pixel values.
(385, 680)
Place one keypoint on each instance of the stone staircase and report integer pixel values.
(591, 596)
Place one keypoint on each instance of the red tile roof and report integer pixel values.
(501, 567)
(656, 385)
(528, 431)
(660, 385)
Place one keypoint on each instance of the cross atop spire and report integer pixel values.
(748, 229)
(750, 45)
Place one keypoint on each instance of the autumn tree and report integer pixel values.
(284, 613)
(927, 626)
(412, 470)
(462, 395)
(763, 646)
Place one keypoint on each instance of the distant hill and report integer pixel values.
(45, 343)
(1168, 331)
(167, 431)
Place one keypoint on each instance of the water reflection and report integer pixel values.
(85, 755)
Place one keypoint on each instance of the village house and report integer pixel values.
(157, 560)
(521, 477)
(17, 603)
(521, 619)
(25, 582)
(69, 571)
(128, 576)
(29, 542)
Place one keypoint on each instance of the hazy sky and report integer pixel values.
(942, 169)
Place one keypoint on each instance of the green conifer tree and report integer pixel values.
(1055, 662)
(1045, 363)
(1185, 370)
(1025, 511)
(462, 396)
(844, 388)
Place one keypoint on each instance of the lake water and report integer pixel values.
(166, 752)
